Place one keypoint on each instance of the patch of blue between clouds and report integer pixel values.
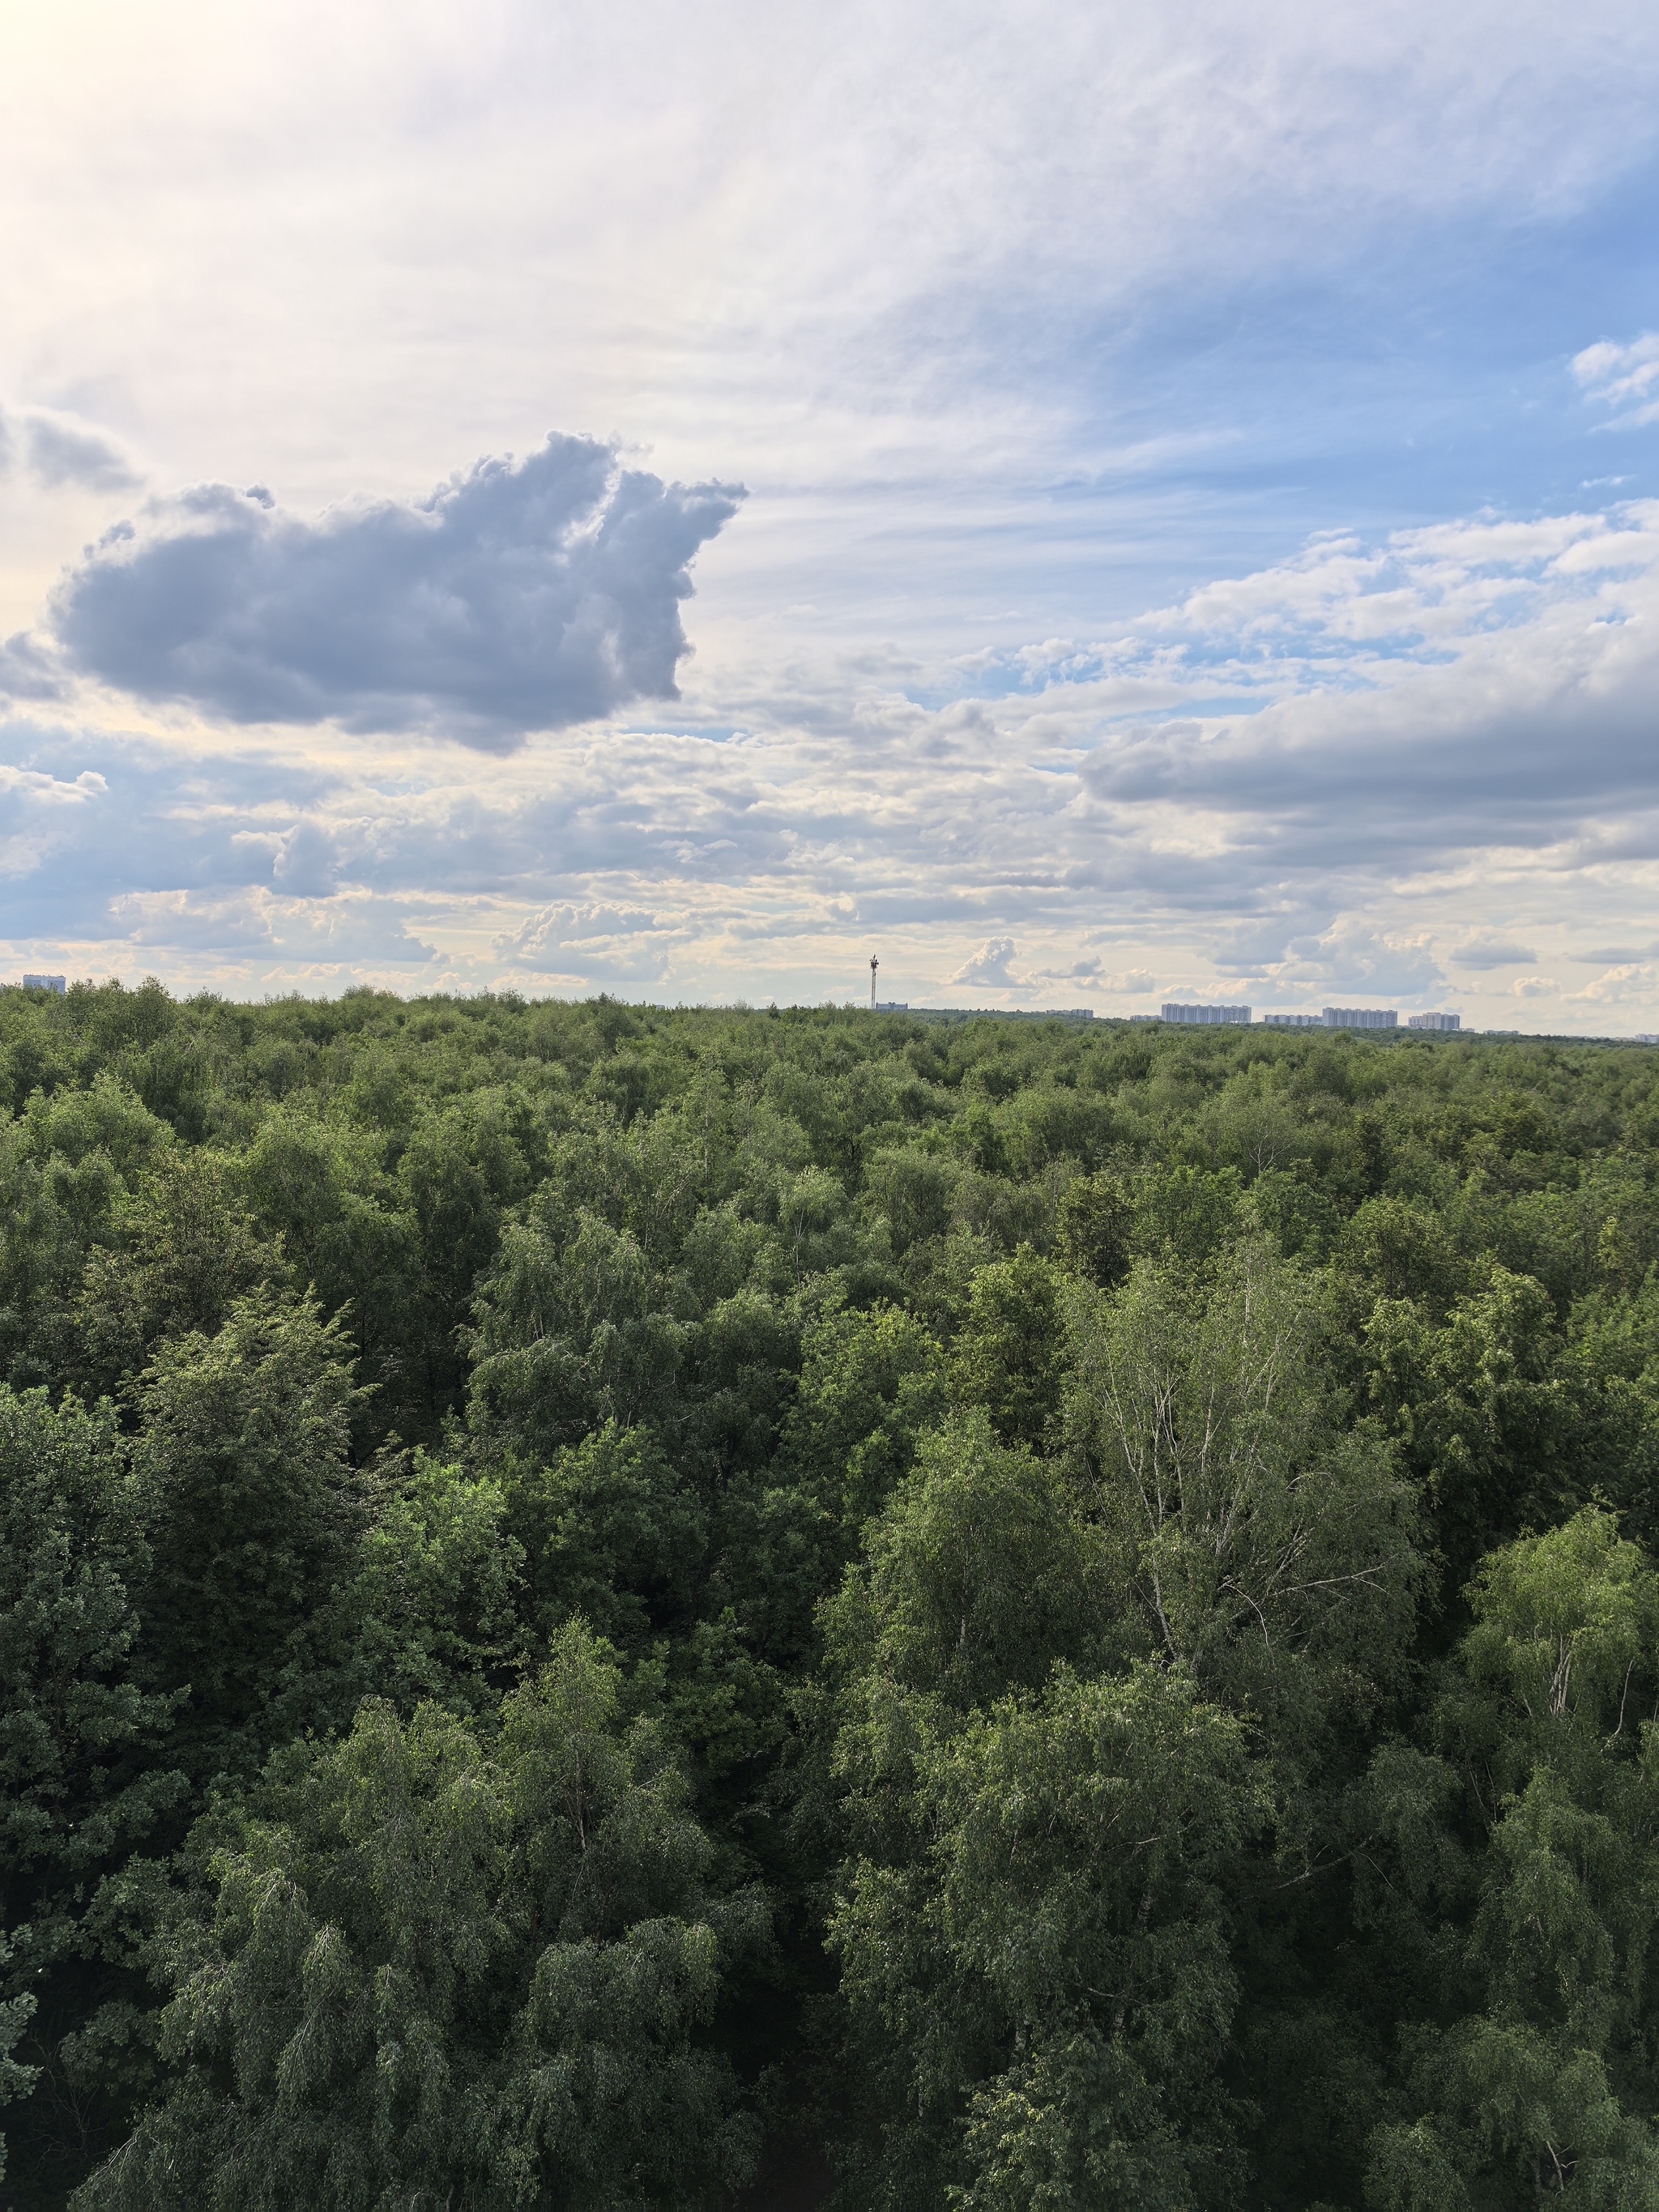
(1426, 379)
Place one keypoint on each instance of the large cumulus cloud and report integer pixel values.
(521, 595)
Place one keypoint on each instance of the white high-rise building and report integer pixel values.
(44, 983)
(1434, 1021)
(1239, 1015)
(1360, 1017)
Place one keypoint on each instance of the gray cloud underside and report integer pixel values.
(58, 449)
(27, 671)
(521, 596)
(1480, 952)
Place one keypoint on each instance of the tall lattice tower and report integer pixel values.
(875, 964)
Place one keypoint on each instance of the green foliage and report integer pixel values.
(569, 1335)
(1188, 1212)
(432, 1611)
(1041, 1986)
(66, 1165)
(15, 2079)
(1096, 1228)
(1254, 1536)
(86, 1773)
(1482, 1402)
(431, 1972)
(321, 1189)
(1132, 1550)
(872, 1383)
(1547, 2080)
(611, 1533)
(977, 1574)
(72, 1559)
(1009, 1355)
(185, 1250)
(242, 1474)
(1561, 1623)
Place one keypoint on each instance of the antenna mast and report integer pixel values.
(875, 964)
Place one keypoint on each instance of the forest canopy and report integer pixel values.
(606, 1608)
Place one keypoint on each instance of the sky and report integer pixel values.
(1088, 504)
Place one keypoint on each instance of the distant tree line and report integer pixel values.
(608, 1608)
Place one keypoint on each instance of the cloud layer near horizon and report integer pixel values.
(1302, 781)
(520, 596)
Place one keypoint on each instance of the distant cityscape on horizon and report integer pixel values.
(1176, 1012)
(1329, 1018)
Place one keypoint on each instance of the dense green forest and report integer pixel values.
(603, 1608)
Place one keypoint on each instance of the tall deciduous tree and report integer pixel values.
(85, 1773)
(1254, 1536)
(72, 1559)
(431, 1973)
(1547, 2086)
(185, 1248)
(243, 1472)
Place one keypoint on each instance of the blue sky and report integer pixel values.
(1091, 504)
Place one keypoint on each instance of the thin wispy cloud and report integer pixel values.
(1623, 377)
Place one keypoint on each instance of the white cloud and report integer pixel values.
(1630, 983)
(521, 595)
(307, 861)
(1128, 982)
(987, 968)
(990, 362)
(1617, 956)
(565, 925)
(292, 932)
(1624, 376)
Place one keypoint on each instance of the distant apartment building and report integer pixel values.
(1329, 1018)
(45, 983)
